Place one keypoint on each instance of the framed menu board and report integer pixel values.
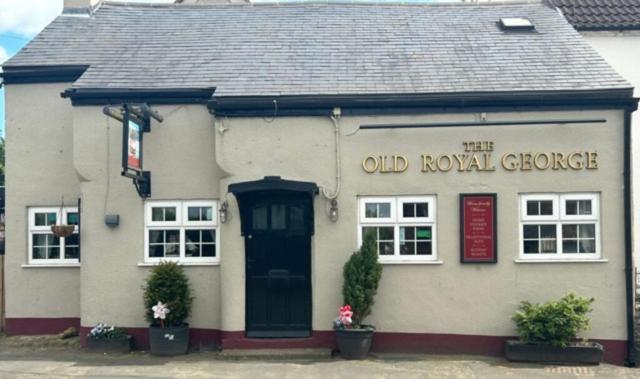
(478, 228)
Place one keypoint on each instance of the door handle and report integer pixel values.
(250, 236)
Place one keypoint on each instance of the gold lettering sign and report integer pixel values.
(477, 156)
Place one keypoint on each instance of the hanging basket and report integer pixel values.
(62, 230)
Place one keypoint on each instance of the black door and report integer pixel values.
(278, 264)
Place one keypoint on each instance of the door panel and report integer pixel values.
(278, 267)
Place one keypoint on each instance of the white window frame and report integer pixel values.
(182, 224)
(397, 221)
(559, 219)
(33, 229)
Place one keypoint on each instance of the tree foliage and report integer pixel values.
(168, 284)
(361, 278)
(554, 323)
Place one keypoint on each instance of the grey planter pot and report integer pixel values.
(354, 343)
(169, 341)
(109, 346)
(583, 353)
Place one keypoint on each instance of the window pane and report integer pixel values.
(278, 217)
(571, 207)
(208, 235)
(530, 231)
(423, 232)
(587, 246)
(157, 214)
(259, 217)
(371, 210)
(532, 208)
(569, 231)
(407, 248)
(587, 230)
(584, 207)
(531, 247)
(385, 233)
(71, 252)
(423, 248)
(39, 240)
(384, 210)
(569, 246)
(72, 218)
(172, 250)
(53, 253)
(172, 236)
(547, 231)
(296, 218)
(407, 233)
(193, 213)
(39, 253)
(408, 210)
(386, 248)
(156, 236)
(546, 208)
(156, 251)
(170, 214)
(192, 249)
(209, 250)
(548, 246)
(192, 236)
(422, 209)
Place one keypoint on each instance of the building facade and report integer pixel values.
(309, 126)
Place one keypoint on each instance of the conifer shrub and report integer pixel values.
(556, 323)
(169, 285)
(362, 274)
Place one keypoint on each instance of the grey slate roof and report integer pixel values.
(322, 49)
(600, 14)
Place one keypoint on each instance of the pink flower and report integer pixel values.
(345, 315)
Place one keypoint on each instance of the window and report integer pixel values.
(404, 227)
(559, 226)
(183, 231)
(46, 248)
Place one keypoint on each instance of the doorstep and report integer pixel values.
(276, 354)
(318, 340)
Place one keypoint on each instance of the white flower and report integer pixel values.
(160, 311)
(169, 336)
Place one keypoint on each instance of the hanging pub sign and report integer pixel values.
(136, 121)
(478, 228)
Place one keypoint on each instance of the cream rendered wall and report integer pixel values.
(622, 51)
(39, 170)
(180, 154)
(446, 298)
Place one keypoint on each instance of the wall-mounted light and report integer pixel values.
(224, 212)
(333, 210)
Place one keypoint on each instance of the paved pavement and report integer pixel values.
(71, 363)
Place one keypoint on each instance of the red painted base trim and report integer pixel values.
(428, 343)
(33, 326)
(198, 337)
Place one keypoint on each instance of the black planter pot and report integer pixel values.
(109, 346)
(173, 340)
(354, 343)
(579, 353)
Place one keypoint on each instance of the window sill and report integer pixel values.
(561, 260)
(151, 264)
(411, 262)
(50, 265)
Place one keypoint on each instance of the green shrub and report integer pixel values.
(168, 284)
(361, 277)
(554, 323)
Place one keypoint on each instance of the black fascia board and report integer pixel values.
(41, 74)
(315, 105)
(159, 96)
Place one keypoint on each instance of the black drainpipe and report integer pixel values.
(628, 241)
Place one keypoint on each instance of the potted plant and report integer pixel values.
(361, 278)
(108, 339)
(61, 229)
(548, 332)
(167, 300)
